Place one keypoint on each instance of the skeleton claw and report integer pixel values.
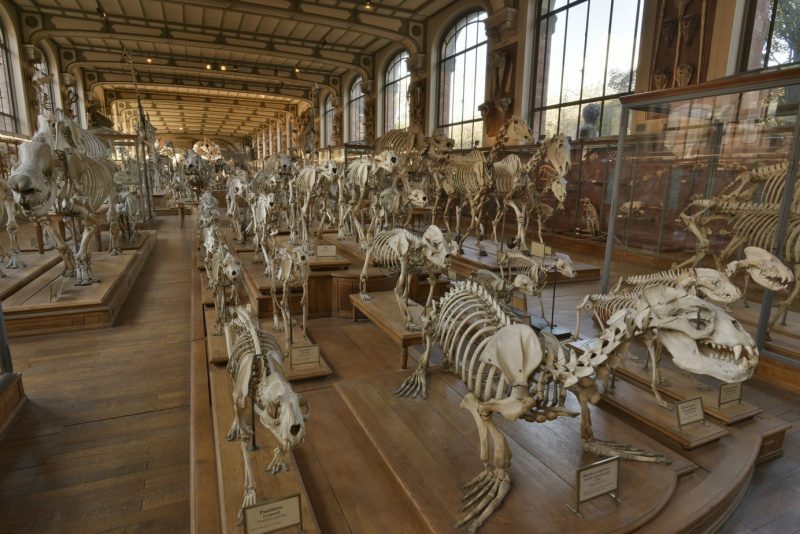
(277, 464)
(249, 500)
(416, 384)
(412, 326)
(488, 490)
(15, 261)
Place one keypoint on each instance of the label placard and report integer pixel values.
(540, 250)
(689, 411)
(452, 275)
(730, 393)
(304, 356)
(272, 516)
(595, 480)
(326, 251)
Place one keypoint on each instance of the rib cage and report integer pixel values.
(508, 176)
(465, 318)
(97, 181)
(467, 174)
(383, 255)
(638, 283)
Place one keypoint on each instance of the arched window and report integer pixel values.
(395, 91)
(44, 87)
(462, 80)
(587, 57)
(356, 112)
(8, 116)
(327, 121)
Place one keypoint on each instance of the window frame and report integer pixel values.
(746, 39)
(539, 108)
(356, 104)
(452, 33)
(327, 121)
(13, 115)
(398, 61)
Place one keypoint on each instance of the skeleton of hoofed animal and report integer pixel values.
(312, 183)
(508, 369)
(225, 271)
(255, 363)
(64, 169)
(356, 187)
(401, 250)
(536, 273)
(238, 188)
(129, 213)
(8, 210)
(290, 266)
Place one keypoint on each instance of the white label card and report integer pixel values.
(272, 516)
(451, 275)
(519, 302)
(598, 479)
(729, 393)
(326, 251)
(304, 355)
(689, 411)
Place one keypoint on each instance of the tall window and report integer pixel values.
(771, 34)
(327, 121)
(462, 80)
(587, 55)
(395, 90)
(356, 112)
(8, 116)
(45, 86)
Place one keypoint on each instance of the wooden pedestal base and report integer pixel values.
(30, 310)
(12, 398)
(383, 310)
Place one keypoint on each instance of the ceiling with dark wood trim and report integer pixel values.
(262, 57)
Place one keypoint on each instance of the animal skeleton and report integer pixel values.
(290, 268)
(129, 212)
(590, 217)
(536, 272)
(399, 249)
(255, 364)
(238, 187)
(357, 186)
(196, 171)
(64, 168)
(749, 209)
(508, 369)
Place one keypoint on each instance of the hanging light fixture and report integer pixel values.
(368, 5)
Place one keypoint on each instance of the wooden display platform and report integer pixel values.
(256, 286)
(431, 447)
(29, 310)
(465, 264)
(12, 398)
(640, 404)
(35, 265)
(383, 310)
(347, 248)
(680, 386)
(218, 353)
(245, 252)
(230, 464)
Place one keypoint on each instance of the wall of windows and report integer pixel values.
(587, 53)
(327, 123)
(395, 93)
(45, 88)
(771, 34)
(8, 116)
(355, 109)
(462, 80)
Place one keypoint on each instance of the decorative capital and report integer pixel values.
(502, 24)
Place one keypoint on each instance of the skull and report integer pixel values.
(282, 411)
(765, 269)
(231, 265)
(31, 183)
(436, 246)
(386, 160)
(418, 198)
(713, 285)
(701, 337)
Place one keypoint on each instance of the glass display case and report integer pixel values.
(702, 172)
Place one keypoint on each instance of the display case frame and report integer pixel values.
(662, 102)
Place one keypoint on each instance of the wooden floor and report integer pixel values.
(102, 444)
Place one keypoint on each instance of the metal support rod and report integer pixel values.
(623, 134)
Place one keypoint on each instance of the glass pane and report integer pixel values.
(568, 123)
(785, 46)
(596, 43)
(541, 62)
(573, 53)
(610, 119)
(550, 122)
(555, 57)
(621, 45)
(758, 42)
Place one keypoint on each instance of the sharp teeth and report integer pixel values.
(737, 351)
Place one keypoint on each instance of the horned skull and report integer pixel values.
(765, 269)
(701, 337)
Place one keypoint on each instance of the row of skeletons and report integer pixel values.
(255, 358)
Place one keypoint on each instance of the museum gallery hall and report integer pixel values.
(400, 266)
